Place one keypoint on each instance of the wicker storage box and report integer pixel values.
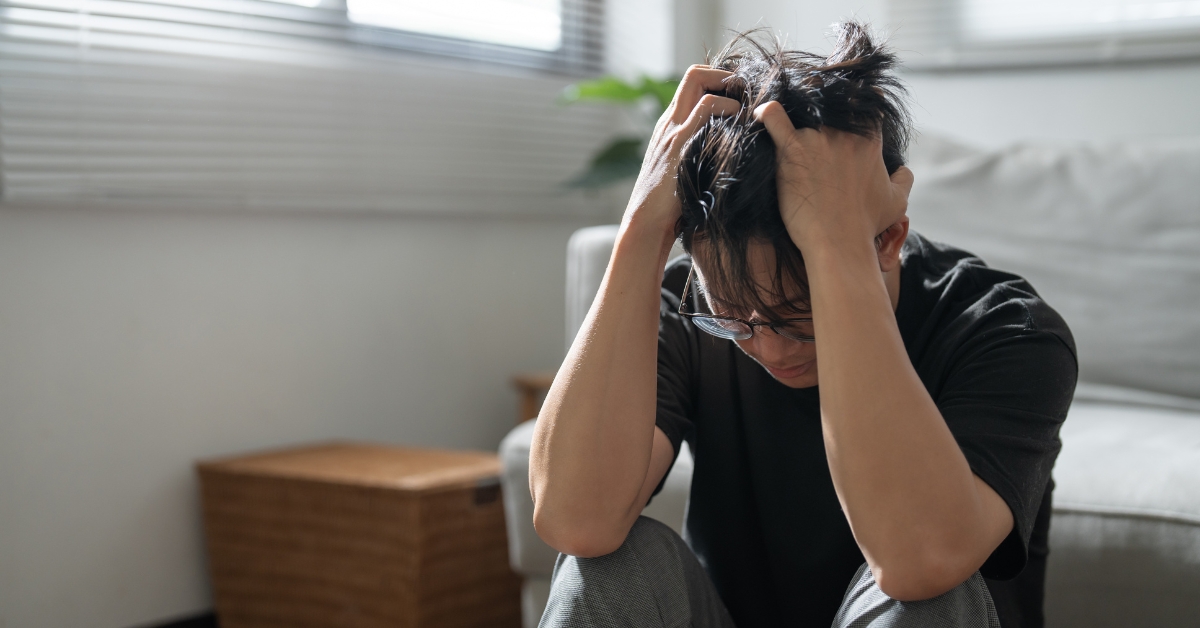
(352, 535)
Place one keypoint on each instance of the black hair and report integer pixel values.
(727, 171)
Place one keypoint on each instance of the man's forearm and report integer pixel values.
(912, 501)
(596, 454)
(595, 434)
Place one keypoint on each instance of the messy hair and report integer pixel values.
(727, 172)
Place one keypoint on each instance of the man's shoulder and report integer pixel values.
(955, 287)
(942, 267)
(937, 271)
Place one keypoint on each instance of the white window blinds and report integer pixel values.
(533, 24)
(255, 104)
(977, 33)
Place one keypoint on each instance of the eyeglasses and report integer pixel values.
(731, 328)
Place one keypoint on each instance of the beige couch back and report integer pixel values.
(1108, 234)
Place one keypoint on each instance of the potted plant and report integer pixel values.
(621, 158)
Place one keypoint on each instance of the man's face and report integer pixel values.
(792, 363)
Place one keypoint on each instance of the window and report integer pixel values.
(315, 105)
(950, 34)
(558, 35)
(532, 24)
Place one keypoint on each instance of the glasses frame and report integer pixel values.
(772, 325)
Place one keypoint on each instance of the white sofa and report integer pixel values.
(1110, 236)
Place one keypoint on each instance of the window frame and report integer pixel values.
(931, 37)
(579, 54)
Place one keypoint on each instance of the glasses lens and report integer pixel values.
(801, 332)
(722, 328)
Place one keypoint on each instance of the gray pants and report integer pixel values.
(654, 581)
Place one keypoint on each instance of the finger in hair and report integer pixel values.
(775, 119)
(710, 106)
(696, 82)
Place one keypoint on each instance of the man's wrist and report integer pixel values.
(840, 244)
(645, 229)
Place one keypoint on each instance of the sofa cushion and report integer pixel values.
(1108, 234)
(1125, 537)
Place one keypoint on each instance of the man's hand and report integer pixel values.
(833, 185)
(654, 200)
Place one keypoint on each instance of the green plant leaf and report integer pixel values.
(620, 149)
(620, 159)
(663, 90)
(608, 88)
(613, 89)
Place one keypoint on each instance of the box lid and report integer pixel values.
(366, 464)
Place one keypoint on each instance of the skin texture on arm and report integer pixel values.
(923, 520)
(596, 455)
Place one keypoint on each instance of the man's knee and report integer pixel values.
(648, 542)
(969, 605)
(654, 540)
(624, 588)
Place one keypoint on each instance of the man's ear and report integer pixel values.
(891, 242)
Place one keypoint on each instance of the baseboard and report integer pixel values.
(203, 620)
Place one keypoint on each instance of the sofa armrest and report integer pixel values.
(527, 552)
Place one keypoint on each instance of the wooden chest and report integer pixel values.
(356, 535)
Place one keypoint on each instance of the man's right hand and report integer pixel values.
(654, 200)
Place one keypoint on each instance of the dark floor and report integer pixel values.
(206, 620)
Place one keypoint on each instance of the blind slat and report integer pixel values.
(251, 104)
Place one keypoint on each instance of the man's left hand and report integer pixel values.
(833, 185)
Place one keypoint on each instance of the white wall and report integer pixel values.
(133, 343)
(660, 37)
(999, 107)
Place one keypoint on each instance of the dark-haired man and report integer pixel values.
(922, 468)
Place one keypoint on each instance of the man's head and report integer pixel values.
(730, 219)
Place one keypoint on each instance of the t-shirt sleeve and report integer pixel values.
(674, 375)
(1004, 400)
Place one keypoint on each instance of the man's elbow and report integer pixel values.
(582, 536)
(914, 580)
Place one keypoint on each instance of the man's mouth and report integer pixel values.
(790, 371)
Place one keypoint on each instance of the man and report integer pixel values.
(922, 468)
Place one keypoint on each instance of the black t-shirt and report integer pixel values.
(763, 517)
